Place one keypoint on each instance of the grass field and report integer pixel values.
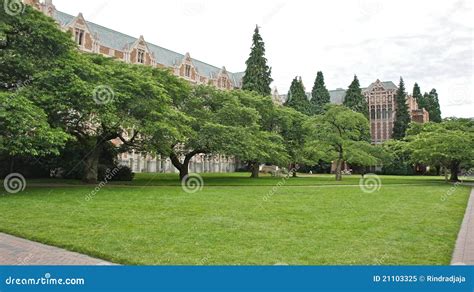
(239, 221)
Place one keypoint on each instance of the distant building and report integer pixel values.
(382, 108)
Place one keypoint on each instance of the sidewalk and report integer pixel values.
(464, 250)
(18, 251)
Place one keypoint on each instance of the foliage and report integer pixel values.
(257, 76)
(355, 100)
(340, 135)
(320, 95)
(402, 116)
(297, 97)
(450, 143)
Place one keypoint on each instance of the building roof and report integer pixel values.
(119, 41)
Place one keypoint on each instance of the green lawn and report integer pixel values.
(239, 221)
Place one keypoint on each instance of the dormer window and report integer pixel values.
(187, 71)
(79, 37)
(141, 56)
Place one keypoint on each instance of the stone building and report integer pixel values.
(93, 38)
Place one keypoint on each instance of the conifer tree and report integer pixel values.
(257, 76)
(402, 116)
(433, 106)
(355, 100)
(320, 95)
(297, 97)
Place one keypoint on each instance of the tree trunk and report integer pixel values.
(91, 165)
(454, 171)
(254, 168)
(446, 174)
(183, 167)
(339, 169)
(293, 170)
(438, 170)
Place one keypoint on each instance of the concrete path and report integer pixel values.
(464, 250)
(17, 251)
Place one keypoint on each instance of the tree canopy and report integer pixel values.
(297, 97)
(402, 116)
(450, 143)
(340, 135)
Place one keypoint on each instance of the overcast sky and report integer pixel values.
(429, 42)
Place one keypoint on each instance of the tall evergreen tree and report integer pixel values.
(320, 95)
(417, 94)
(432, 102)
(402, 116)
(257, 75)
(297, 97)
(355, 100)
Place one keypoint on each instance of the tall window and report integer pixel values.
(384, 112)
(141, 56)
(379, 113)
(79, 37)
(372, 112)
(390, 111)
(187, 70)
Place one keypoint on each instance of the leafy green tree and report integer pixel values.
(24, 128)
(297, 97)
(340, 135)
(217, 123)
(257, 74)
(30, 42)
(291, 128)
(266, 144)
(402, 116)
(25, 52)
(355, 100)
(450, 143)
(97, 100)
(320, 95)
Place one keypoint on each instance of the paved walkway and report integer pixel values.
(464, 251)
(18, 251)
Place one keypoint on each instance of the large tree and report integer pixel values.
(217, 123)
(320, 95)
(432, 106)
(257, 76)
(450, 143)
(402, 116)
(297, 97)
(25, 53)
(291, 127)
(340, 135)
(355, 100)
